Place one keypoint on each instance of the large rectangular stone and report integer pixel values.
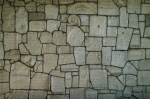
(37, 25)
(143, 78)
(144, 64)
(136, 54)
(134, 6)
(145, 9)
(36, 16)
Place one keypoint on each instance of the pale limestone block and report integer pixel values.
(135, 41)
(115, 71)
(4, 76)
(18, 94)
(31, 6)
(133, 21)
(46, 37)
(28, 60)
(51, 11)
(79, 54)
(13, 55)
(64, 49)
(74, 20)
(36, 16)
(52, 25)
(106, 96)
(84, 19)
(69, 68)
(145, 9)
(37, 94)
(75, 81)
(129, 69)
(1, 50)
(93, 58)
(106, 55)
(142, 28)
(131, 80)
(147, 32)
(144, 64)
(59, 38)
(112, 31)
(91, 94)
(77, 93)
(123, 17)
(134, 6)
(136, 54)
(58, 97)
(141, 17)
(66, 59)
(113, 21)
(57, 73)
(48, 48)
(37, 25)
(109, 41)
(68, 80)
(127, 92)
(145, 43)
(143, 78)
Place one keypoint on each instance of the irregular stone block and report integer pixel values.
(40, 81)
(93, 44)
(131, 80)
(93, 58)
(66, 59)
(113, 21)
(69, 68)
(112, 31)
(31, 6)
(74, 20)
(36, 16)
(64, 49)
(134, 6)
(129, 69)
(91, 94)
(106, 96)
(143, 78)
(147, 34)
(107, 7)
(37, 94)
(123, 39)
(135, 41)
(18, 94)
(77, 93)
(133, 21)
(142, 28)
(145, 43)
(59, 38)
(4, 87)
(13, 55)
(19, 73)
(106, 55)
(28, 60)
(144, 64)
(127, 92)
(75, 36)
(84, 19)
(48, 48)
(82, 8)
(1, 51)
(136, 54)
(98, 26)
(38, 67)
(23, 49)
(119, 58)
(37, 25)
(50, 62)
(147, 20)
(98, 78)
(58, 97)
(46, 37)
(51, 11)
(123, 17)
(21, 20)
(68, 80)
(4, 76)
(145, 9)
(57, 85)
(79, 53)
(52, 25)
(114, 70)
(109, 41)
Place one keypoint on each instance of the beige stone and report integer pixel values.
(66, 59)
(19, 3)
(52, 25)
(63, 9)
(68, 80)
(57, 73)
(4, 76)
(36, 16)
(37, 94)
(48, 48)
(1, 64)
(66, 1)
(79, 53)
(59, 38)
(38, 67)
(106, 55)
(37, 25)
(74, 20)
(46, 37)
(93, 58)
(69, 68)
(4, 87)
(28, 59)
(1, 50)
(134, 6)
(18, 94)
(136, 54)
(51, 11)
(31, 6)
(84, 19)
(23, 49)
(13, 55)
(63, 27)
(64, 49)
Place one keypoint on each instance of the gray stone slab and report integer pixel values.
(58, 97)
(136, 54)
(144, 64)
(93, 58)
(91, 94)
(106, 55)
(143, 78)
(134, 6)
(123, 17)
(77, 93)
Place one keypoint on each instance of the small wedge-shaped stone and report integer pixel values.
(1, 50)
(66, 1)
(79, 53)
(59, 38)
(21, 20)
(28, 59)
(75, 36)
(129, 69)
(114, 70)
(82, 8)
(66, 59)
(8, 16)
(135, 41)
(134, 6)
(107, 7)
(51, 11)
(13, 55)
(74, 20)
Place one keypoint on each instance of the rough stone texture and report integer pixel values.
(79, 53)
(114, 70)
(59, 38)
(66, 1)
(106, 55)
(123, 17)
(19, 94)
(145, 8)
(66, 59)
(52, 25)
(13, 55)
(36, 16)
(134, 6)
(133, 21)
(134, 54)
(1, 50)
(91, 94)
(37, 94)
(106, 96)
(58, 97)
(46, 37)
(77, 93)
(48, 48)
(28, 59)
(4, 76)
(129, 69)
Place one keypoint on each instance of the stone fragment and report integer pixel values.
(64, 49)
(82, 8)
(123, 17)
(106, 96)
(48, 48)
(144, 64)
(123, 39)
(127, 92)
(115, 71)
(106, 55)
(4, 87)
(93, 44)
(77, 93)
(147, 53)
(104, 9)
(36, 16)
(119, 58)
(145, 9)
(66, 59)
(93, 58)
(57, 85)
(147, 33)
(69, 68)
(133, 21)
(21, 20)
(134, 6)
(98, 78)
(4, 76)
(109, 41)
(31, 7)
(68, 80)
(143, 78)
(8, 18)
(1, 51)
(84, 19)
(129, 69)
(98, 26)
(33, 45)
(75, 81)
(91, 94)
(40, 81)
(135, 41)
(37, 25)
(59, 38)
(51, 11)
(19, 73)
(84, 76)
(50, 62)
(113, 21)
(28, 60)
(57, 73)
(13, 55)
(58, 97)
(46, 37)
(13, 42)
(18, 94)
(38, 67)
(131, 80)
(52, 25)
(112, 31)
(37, 94)
(142, 28)
(79, 54)
(145, 43)
(136, 54)
(74, 20)
(23, 49)
(114, 83)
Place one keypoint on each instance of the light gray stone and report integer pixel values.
(4, 76)
(113, 21)
(31, 6)
(106, 96)
(145, 9)
(19, 3)
(147, 20)
(79, 54)
(91, 94)
(145, 43)
(133, 21)
(18, 94)
(21, 20)
(123, 17)
(136, 54)
(68, 80)
(4, 87)
(98, 79)
(13, 55)
(129, 69)
(143, 78)
(119, 58)
(82, 8)
(37, 94)
(69, 67)
(28, 60)
(74, 20)
(57, 73)
(77, 93)
(59, 38)
(52, 25)
(114, 70)
(147, 34)
(1, 50)
(58, 97)
(109, 41)
(75, 36)
(37, 25)
(38, 67)
(127, 92)
(123, 39)
(147, 53)
(48, 48)
(57, 85)
(23, 49)
(98, 26)
(50, 62)
(134, 6)
(131, 80)
(93, 58)
(51, 11)
(144, 64)
(66, 59)
(112, 31)
(64, 49)
(135, 41)
(46, 37)
(142, 28)
(84, 19)
(75, 81)
(106, 55)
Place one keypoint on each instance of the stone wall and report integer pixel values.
(74, 49)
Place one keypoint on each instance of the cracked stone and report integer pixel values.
(28, 60)
(115, 71)
(23, 49)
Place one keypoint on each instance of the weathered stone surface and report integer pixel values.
(21, 20)
(131, 80)
(23, 49)
(63, 27)
(133, 21)
(106, 55)
(40, 81)
(144, 64)
(69, 67)
(79, 53)
(147, 34)
(43, 1)
(57, 85)
(13, 42)
(51, 11)
(93, 58)
(1, 50)
(84, 19)
(58, 97)
(127, 92)
(77, 93)
(147, 53)
(98, 26)
(38, 67)
(66, 59)
(142, 28)
(109, 41)
(123, 39)
(113, 21)
(19, 3)
(75, 81)
(74, 20)
(1, 36)
(82, 8)
(18, 94)
(114, 70)
(104, 9)
(135, 41)
(50, 62)
(33, 45)
(52, 25)
(143, 78)
(129, 69)
(4, 76)
(46, 37)
(75, 36)
(28, 59)
(112, 31)
(4, 87)
(37, 94)
(134, 6)
(145, 43)
(147, 20)
(93, 44)
(57, 73)
(59, 38)
(98, 79)
(106, 96)
(91, 94)
(19, 73)
(1, 64)
(119, 58)
(68, 80)
(13, 55)
(8, 16)
(123, 17)
(48, 48)
(136, 54)
(64, 49)
(31, 6)
(66, 1)
(36, 16)
(37, 25)
(114, 83)
(145, 9)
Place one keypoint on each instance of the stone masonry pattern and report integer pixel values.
(74, 49)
